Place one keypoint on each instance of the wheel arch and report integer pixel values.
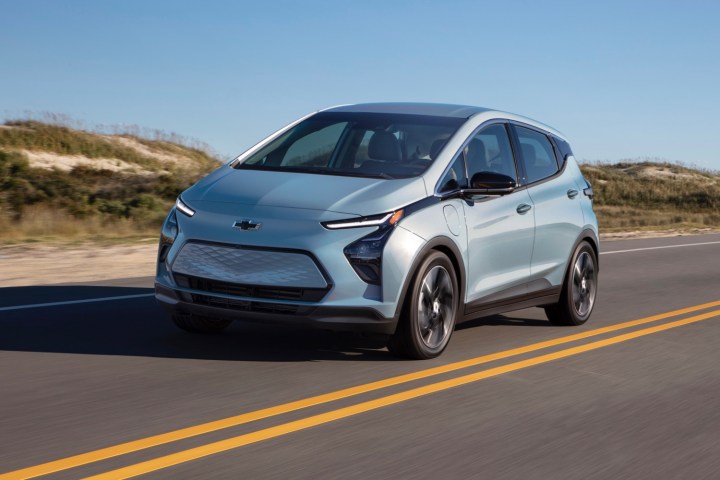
(588, 235)
(559, 313)
(441, 244)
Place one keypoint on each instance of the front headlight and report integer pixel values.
(370, 221)
(182, 206)
(365, 254)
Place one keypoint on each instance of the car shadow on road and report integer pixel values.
(139, 327)
(505, 320)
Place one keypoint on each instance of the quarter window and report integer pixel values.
(455, 177)
(563, 150)
(537, 154)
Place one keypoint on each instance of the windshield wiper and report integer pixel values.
(318, 170)
(384, 175)
(344, 173)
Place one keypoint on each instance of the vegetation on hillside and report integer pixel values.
(34, 135)
(42, 200)
(654, 195)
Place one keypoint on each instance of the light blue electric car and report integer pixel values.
(396, 218)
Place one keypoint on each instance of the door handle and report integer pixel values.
(523, 208)
(572, 193)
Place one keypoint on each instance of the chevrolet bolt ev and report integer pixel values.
(391, 218)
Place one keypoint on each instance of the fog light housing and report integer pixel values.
(168, 234)
(365, 255)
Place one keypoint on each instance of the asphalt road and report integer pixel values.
(623, 401)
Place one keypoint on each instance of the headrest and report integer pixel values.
(384, 146)
(476, 156)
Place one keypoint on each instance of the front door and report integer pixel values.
(500, 229)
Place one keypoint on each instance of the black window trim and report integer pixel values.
(563, 153)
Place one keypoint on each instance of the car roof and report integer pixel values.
(434, 109)
(438, 110)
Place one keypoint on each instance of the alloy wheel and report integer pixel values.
(436, 307)
(583, 284)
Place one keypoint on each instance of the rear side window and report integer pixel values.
(537, 154)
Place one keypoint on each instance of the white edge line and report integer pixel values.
(658, 248)
(72, 302)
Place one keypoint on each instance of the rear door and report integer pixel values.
(556, 200)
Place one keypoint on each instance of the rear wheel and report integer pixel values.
(579, 290)
(198, 324)
(428, 317)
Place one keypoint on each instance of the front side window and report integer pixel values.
(357, 144)
(537, 154)
(490, 151)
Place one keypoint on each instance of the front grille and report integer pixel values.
(239, 265)
(252, 291)
(244, 305)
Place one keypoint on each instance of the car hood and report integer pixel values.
(334, 193)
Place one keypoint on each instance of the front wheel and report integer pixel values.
(428, 317)
(579, 290)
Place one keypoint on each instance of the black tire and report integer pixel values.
(579, 289)
(429, 314)
(197, 324)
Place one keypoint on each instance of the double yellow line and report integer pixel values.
(333, 415)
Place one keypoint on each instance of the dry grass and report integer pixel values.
(44, 225)
(652, 196)
(614, 219)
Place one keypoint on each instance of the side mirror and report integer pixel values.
(490, 183)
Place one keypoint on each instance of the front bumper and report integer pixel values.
(188, 301)
(291, 271)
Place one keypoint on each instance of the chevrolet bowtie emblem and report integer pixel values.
(247, 225)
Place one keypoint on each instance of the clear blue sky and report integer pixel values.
(621, 79)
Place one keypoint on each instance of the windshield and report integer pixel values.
(377, 145)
